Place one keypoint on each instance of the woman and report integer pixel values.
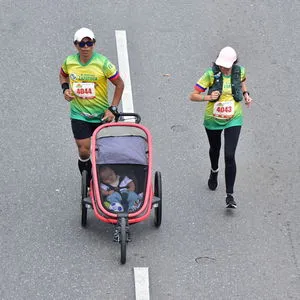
(225, 82)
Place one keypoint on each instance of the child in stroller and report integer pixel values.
(118, 191)
(126, 148)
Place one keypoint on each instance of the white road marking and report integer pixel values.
(121, 40)
(141, 279)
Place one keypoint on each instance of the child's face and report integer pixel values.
(108, 176)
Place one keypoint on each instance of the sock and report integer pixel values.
(85, 164)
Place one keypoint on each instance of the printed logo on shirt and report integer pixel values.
(73, 76)
(83, 77)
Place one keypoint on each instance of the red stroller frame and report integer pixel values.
(124, 145)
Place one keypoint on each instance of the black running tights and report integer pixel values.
(231, 137)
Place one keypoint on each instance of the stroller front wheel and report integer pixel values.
(123, 239)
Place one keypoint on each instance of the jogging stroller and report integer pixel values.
(122, 149)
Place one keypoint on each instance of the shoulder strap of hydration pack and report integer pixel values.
(236, 85)
(218, 81)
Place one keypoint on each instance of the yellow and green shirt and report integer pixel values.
(212, 120)
(89, 85)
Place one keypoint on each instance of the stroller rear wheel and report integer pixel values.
(123, 239)
(158, 193)
(84, 192)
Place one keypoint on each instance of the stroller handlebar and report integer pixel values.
(122, 116)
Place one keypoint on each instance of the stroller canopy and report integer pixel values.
(121, 145)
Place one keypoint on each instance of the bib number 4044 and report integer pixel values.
(85, 90)
(82, 91)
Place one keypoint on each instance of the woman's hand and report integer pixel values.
(248, 99)
(215, 95)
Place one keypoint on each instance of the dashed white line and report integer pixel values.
(141, 279)
(121, 40)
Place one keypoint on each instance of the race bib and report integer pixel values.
(223, 110)
(85, 90)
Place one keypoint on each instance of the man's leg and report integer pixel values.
(82, 132)
(84, 162)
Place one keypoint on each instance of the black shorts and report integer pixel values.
(83, 130)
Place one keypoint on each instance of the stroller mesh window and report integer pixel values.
(122, 150)
(127, 156)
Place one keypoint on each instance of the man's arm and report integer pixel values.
(119, 88)
(64, 78)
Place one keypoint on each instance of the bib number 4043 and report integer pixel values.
(223, 110)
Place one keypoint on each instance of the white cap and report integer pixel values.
(82, 33)
(226, 58)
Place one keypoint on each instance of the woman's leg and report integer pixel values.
(231, 136)
(214, 139)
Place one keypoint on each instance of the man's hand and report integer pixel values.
(69, 95)
(108, 116)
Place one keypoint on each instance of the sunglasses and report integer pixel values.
(88, 43)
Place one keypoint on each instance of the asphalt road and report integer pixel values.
(202, 250)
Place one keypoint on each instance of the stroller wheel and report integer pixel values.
(158, 193)
(123, 239)
(84, 192)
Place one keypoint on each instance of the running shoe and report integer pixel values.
(213, 180)
(230, 203)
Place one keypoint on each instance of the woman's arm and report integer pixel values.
(197, 96)
(246, 94)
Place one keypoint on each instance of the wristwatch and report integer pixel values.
(113, 109)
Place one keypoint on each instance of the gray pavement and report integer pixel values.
(201, 251)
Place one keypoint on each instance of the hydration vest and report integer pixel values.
(236, 84)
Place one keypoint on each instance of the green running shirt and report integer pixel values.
(89, 86)
(212, 120)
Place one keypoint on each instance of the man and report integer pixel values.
(83, 78)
